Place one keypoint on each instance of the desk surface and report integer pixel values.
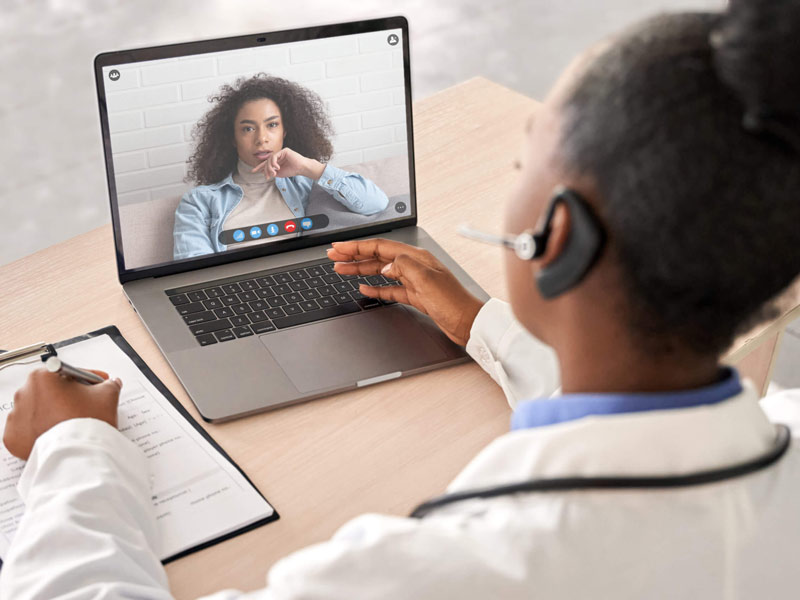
(380, 449)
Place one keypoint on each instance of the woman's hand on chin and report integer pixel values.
(288, 163)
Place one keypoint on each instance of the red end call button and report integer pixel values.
(290, 226)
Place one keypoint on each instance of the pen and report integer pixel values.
(56, 365)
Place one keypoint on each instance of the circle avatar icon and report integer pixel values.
(255, 232)
(306, 223)
(238, 235)
(272, 229)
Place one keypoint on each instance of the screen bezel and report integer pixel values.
(107, 59)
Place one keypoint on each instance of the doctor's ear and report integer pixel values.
(573, 239)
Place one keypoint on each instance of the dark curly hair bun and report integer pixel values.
(305, 121)
(702, 214)
(756, 54)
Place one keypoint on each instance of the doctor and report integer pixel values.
(655, 217)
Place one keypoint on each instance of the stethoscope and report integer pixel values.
(563, 484)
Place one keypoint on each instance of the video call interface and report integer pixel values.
(221, 151)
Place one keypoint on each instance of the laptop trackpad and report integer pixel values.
(339, 352)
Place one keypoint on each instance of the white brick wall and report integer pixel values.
(154, 105)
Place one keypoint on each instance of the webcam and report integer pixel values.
(261, 39)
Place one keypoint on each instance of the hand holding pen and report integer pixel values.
(48, 399)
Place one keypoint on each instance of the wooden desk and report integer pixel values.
(380, 449)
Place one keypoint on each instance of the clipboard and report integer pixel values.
(137, 360)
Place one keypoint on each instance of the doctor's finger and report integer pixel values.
(394, 293)
(371, 266)
(379, 248)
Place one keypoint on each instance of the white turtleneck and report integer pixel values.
(261, 203)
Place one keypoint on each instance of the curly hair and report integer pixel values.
(308, 128)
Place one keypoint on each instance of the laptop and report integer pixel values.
(232, 164)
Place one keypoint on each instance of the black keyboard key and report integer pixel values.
(230, 300)
(281, 289)
(210, 327)
(316, 315)
(179, 299)
(310, 294)
(315, 282)
(355, 283)
(394, 282)
(200, 317)
(376, 279)
(265, 292)
(257, 317)
(275, 313)
(341, 298)
(293, 298)
(327, 290)
(258, 304)
(247, 296)
(329, 301)
(241, 309)
(214, 292)
(355, 295)
(224, 336)
(187, 309)
(241, 332)
(368, 302)
(346, 277)
(327, 267)
(315, 271)
(342, 287)
(196, 296)
(239, 320)
(276, 301)
(265, 281)
(307, 305)
(263, 327)
(331, 278)
(299, 274)
(207, 339)
(231, 288)
(283, 278)
(248, 285)
(292, 309)
(298, 285)
(212, 303)
(223, 312)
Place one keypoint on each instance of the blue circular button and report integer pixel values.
(272, 229)
(306, 223)
(255, 232)
(238, 235)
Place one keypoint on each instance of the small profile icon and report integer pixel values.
(393, 39)
(114, 75)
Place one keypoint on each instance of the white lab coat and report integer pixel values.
(88, 529)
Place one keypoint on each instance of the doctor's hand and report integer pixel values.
(428, 285)
(48, 399)
(288, 163)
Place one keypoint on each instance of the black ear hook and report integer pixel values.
(585, 242)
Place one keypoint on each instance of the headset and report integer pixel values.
(585, 242)
(584, 245)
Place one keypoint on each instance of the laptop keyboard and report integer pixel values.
(236, 307)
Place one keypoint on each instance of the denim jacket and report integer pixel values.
(203, 210)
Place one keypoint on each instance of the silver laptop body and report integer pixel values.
(248, 322)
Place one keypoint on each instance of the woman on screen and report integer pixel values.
(259, 151)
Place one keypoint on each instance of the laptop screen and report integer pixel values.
(226, 150)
